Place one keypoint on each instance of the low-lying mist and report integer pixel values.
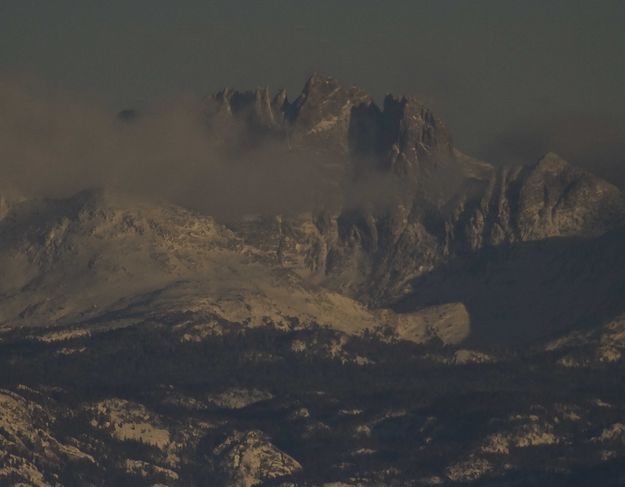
(54, 144)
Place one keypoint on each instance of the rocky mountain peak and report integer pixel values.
(322, 114)
(318, 82)
(403, 136)
(439, 204)
(320, 89)
(559, 199)
(551, 162)
(280, 102)
(256, 109)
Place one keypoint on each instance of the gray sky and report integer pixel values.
(512, 78)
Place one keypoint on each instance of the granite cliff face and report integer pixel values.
(401, 136)
(438, 203)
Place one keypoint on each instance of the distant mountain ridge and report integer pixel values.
(440, 209)
(430, 320)
(401, 134)
(449, 204)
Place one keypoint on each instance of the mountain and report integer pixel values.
(406, 211)
(105, 257)
(430, 319)
(522, 292)
(437, 206)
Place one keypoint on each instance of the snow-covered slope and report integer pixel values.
(101, 257)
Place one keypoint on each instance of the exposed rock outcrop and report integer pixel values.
(436, 203)
(248, 458)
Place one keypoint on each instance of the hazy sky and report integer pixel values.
(512, 78)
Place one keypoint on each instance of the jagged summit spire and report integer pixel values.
(552, 160)
(320, 81)
(326, 114)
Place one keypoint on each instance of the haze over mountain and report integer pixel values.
(256, 288)
(312, 244)
(513, 80)
(357, 198)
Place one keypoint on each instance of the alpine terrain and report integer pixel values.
(420, 318)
